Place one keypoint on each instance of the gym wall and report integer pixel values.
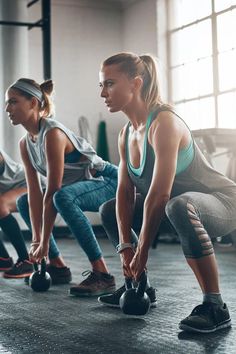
(83, 34)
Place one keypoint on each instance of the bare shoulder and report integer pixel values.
(168, 129)
(121, 141)
(22, 143)
(123, 130)
(24, 152)
(55, 139)
(168, 123)
(22, 140)
(165, 119)
(122, 134)
(55, 133)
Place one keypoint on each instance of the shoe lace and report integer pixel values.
(204, 309)
(18, 264)
(91, 277)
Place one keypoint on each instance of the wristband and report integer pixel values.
(122, 246)
(34, 244)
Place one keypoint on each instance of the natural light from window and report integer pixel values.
(202, 42)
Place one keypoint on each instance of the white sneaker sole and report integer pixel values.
(152, 305)
(192, 329)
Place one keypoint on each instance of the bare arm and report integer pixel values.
(35, 194)
(165, 136)
(125, 195)
(56, 144)
(42, 210)
(125, 202)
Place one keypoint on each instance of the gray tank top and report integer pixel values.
(199, 176)
(73, 171)
(12, 176)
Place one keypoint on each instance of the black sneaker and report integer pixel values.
(206, 318)
(225, 241)
(20, 269)
(26, 280)
(59, 275)
(95, 284)
(6, 263)
(113, 300)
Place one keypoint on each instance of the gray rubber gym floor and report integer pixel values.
(54, 322)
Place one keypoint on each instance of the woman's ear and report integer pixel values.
(138, 83)
(34, 102)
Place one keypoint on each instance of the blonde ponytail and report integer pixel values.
(144, 66)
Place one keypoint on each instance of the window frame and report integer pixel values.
(215, 58)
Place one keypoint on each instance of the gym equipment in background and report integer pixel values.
(102, 144)
(84, 129)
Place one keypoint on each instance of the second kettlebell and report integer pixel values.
(135, 301)
(40, 280)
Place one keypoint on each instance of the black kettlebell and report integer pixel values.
(135, 301)
(40, 280)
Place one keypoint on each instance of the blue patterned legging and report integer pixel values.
(73, 200)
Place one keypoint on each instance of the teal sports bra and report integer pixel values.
(185, 155)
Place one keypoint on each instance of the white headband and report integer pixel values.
(28, 88)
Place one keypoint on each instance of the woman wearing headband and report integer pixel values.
(78, 179)
(12, 185)
(160, 159)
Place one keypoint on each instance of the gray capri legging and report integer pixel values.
(196, 217)
(200, 217)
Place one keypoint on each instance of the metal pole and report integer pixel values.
(46, 28)
(32, 3)
(23, 24)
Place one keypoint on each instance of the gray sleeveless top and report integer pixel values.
(12, 176)
(199, 176)
(73, 171)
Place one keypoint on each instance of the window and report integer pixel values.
(202, 61)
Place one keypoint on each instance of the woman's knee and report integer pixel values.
(4, 207)
(176, 208)
(108, 212)
(108, 217)
(61, 198)
(22, 202)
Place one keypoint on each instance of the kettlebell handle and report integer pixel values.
(43, 266)
(128, 283)
(142, 284)
(36, 267)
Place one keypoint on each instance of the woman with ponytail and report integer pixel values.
(77, 180)
(160, 159)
